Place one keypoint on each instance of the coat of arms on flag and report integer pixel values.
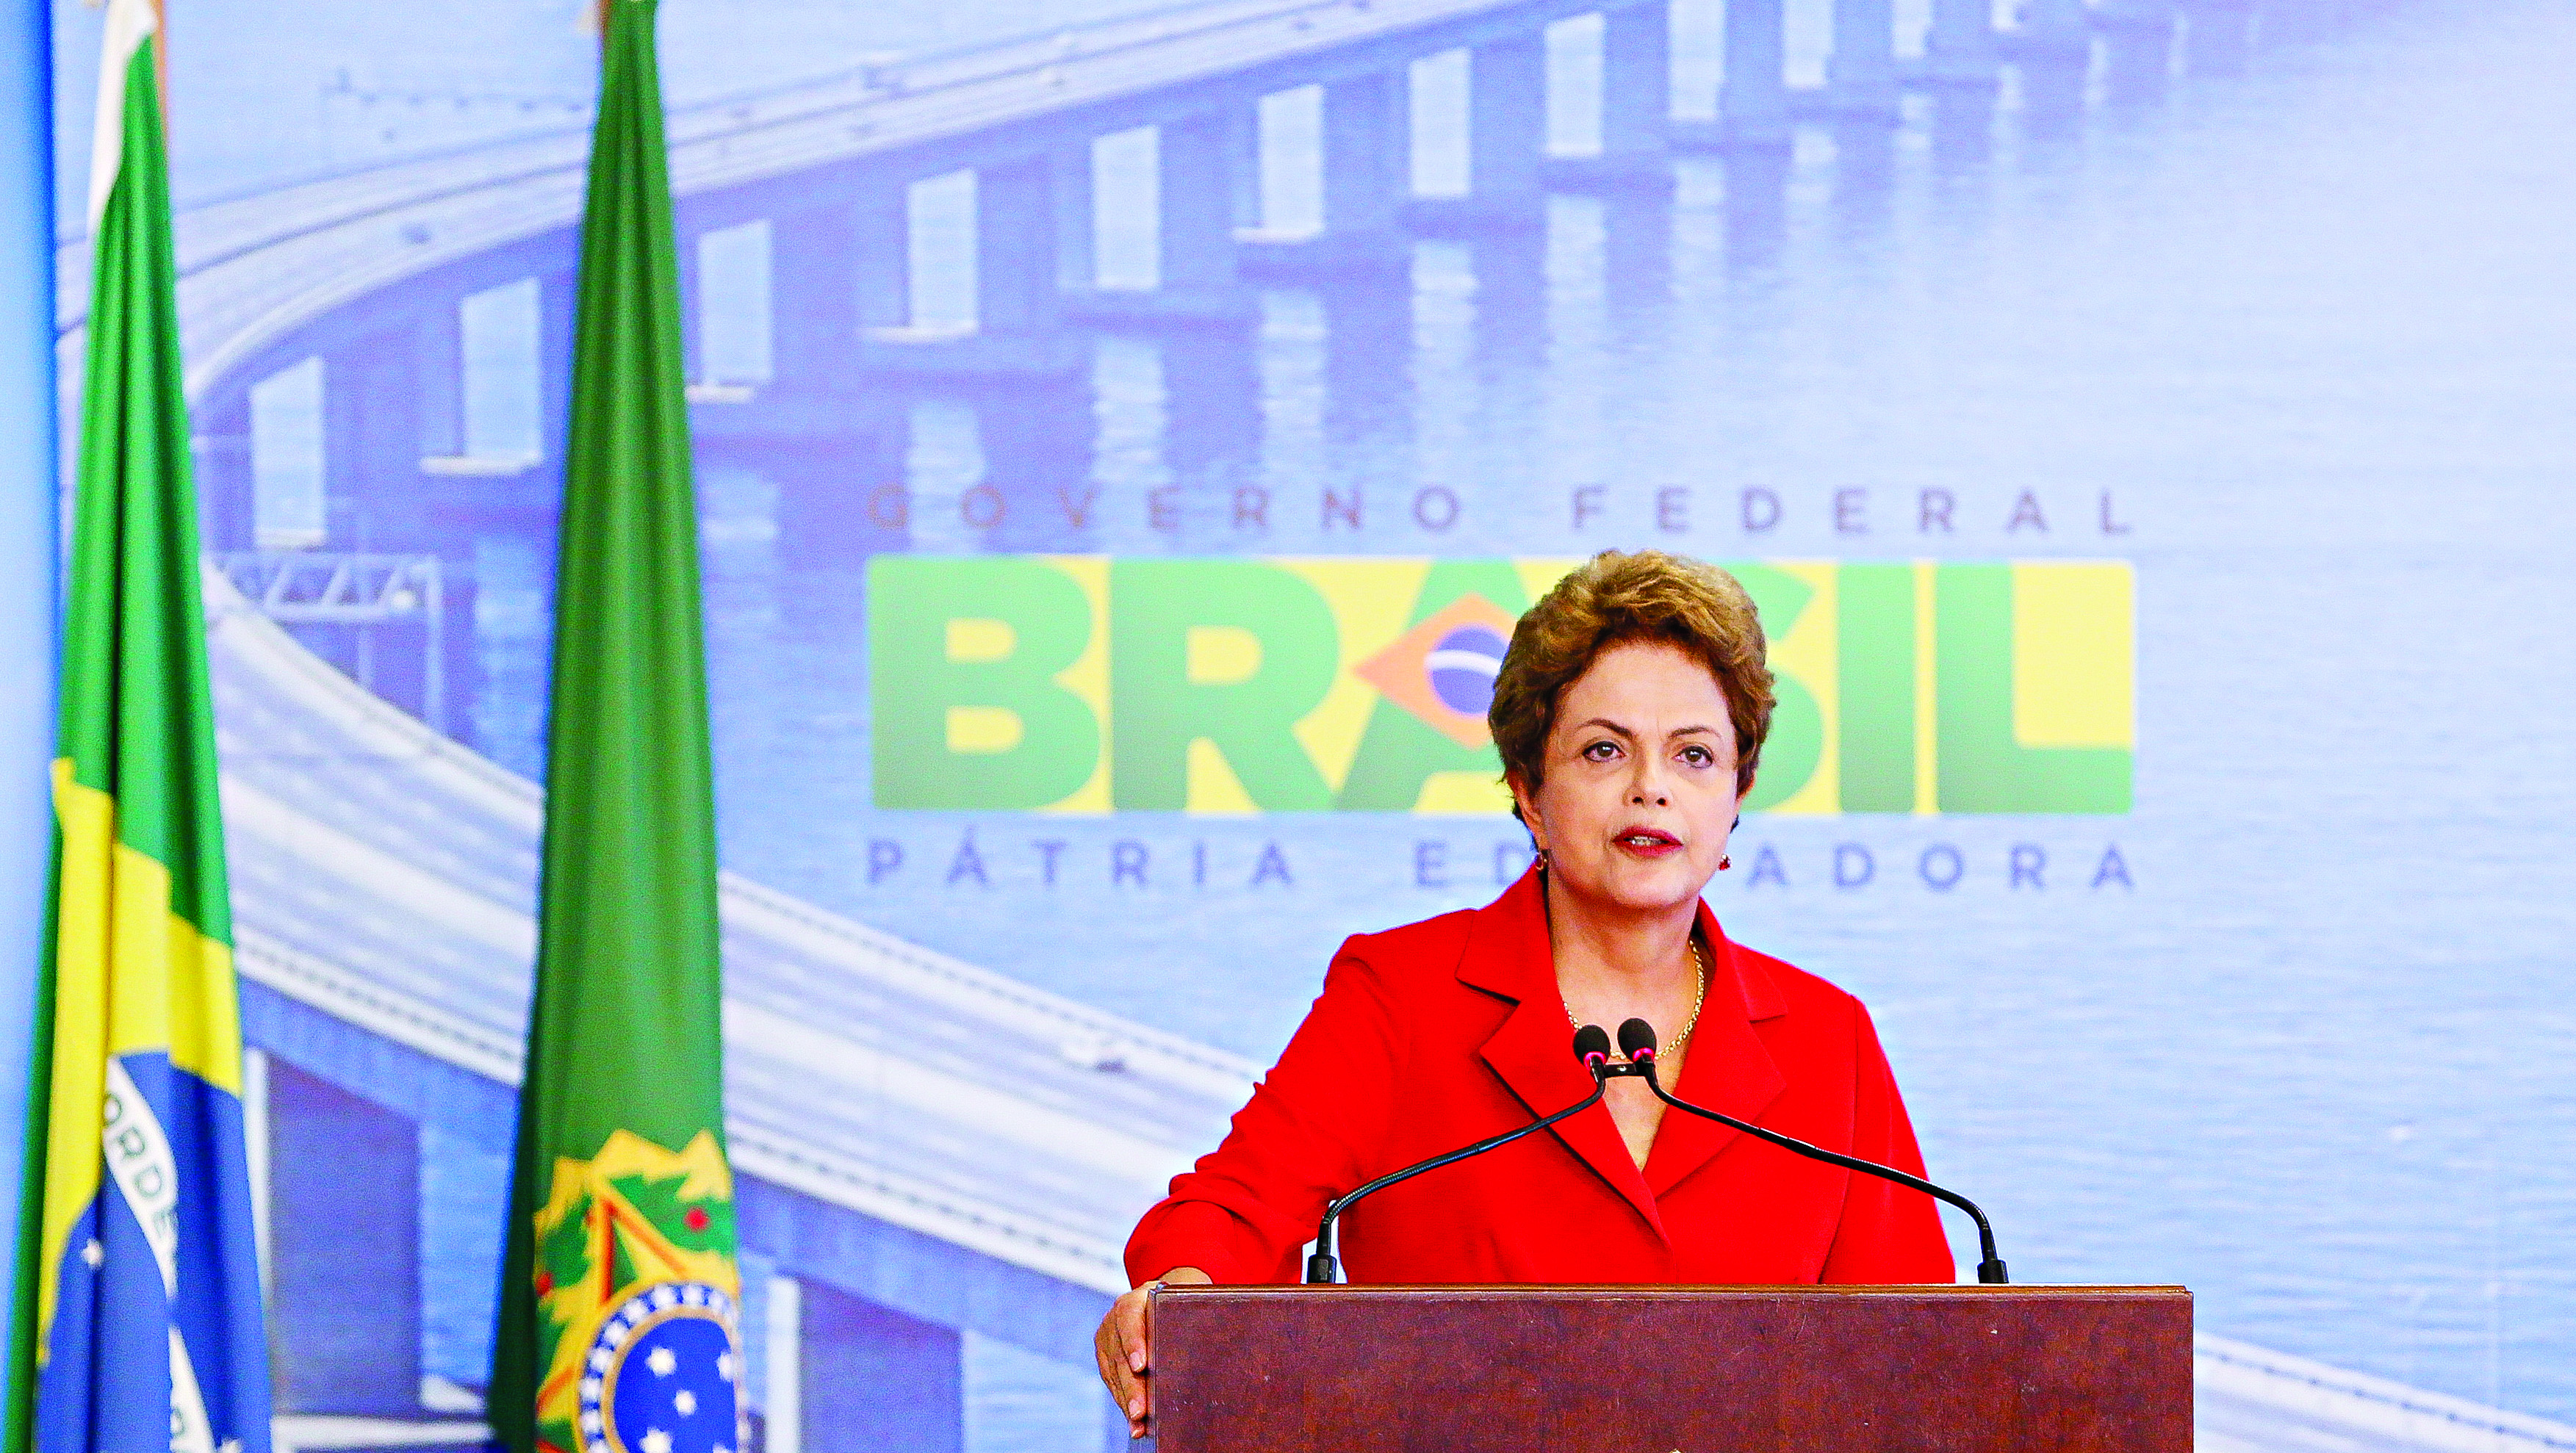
(636, 1298)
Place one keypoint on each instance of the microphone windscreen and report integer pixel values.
(1590, 1040)
(1636, 1037)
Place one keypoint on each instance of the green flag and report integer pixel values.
(621, 1234)
(137, 1321)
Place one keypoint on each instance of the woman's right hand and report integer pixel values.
(1125, 1346)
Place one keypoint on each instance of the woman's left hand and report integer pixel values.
(1124, 1346)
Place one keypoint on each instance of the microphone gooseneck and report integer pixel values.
(1637, 1043)
(1591, 1046)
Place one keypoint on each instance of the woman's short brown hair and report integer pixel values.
(1614, 598)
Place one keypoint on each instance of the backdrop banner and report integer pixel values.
(1124, 436)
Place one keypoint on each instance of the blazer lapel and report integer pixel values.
(1533, 1052)
(1727, 1068)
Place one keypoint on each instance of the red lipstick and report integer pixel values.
(1646, 842)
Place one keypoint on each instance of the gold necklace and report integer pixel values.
(1699, 975)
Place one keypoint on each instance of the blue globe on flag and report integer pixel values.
(664, 1375)
(1462, 669)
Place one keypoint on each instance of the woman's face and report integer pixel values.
(1638, 792)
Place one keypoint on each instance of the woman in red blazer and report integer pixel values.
(1629, 713)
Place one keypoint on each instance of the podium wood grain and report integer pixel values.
(1517, 1369)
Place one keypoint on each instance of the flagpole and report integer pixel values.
(29, 551)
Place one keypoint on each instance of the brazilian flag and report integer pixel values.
(620, 1250)
(137, 1323)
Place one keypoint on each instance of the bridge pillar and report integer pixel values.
(2054, 32)
(831, 444)
(1959, 46)
(439, 345)
(372, 436)
(1016, 273)
(371, 442)
(1365, 174)
(2053, 50)
(1506, 130)
(1203, 168)
(816, 259)
(879, 265)
(1367, 156)
(344, 1250)
(873, 1378)
(881, 253)
(1197, 161)
(438, 383)
(2115, 14)
(1637, 93)
(220, 444)
(1753, 98)
(1860, 75)
(1077, 231)
(1020, 222)
(1368, 150)
(2137, 49)
(1078, 228)
(1019, 283)
(1368, 165)
(1239, 127)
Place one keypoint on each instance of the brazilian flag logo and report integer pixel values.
(637, 1301)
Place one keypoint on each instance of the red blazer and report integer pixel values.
(1440, 1033)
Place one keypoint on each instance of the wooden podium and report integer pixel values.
(1537, 1369)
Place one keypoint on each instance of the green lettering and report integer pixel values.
(1874, 649)
(1156, 710)
(1983, 767)
(914, 685)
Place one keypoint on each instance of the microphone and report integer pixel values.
(1637, 1043)
(1591, 1045)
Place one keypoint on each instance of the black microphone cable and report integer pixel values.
(1637, 1042)
(1591, 1045)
